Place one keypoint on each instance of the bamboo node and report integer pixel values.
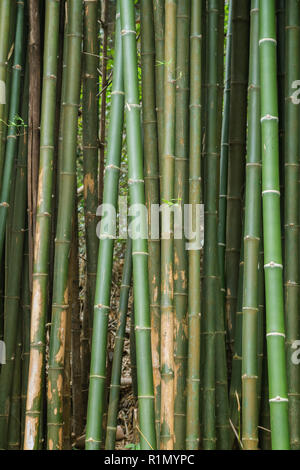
(127, 31)
(269, 117)
(274, 333)
(95, 376)
(117, 92)
(146, 396)
(140, 253)
(132, 181)
(278, 399)
(271, 191)
(101, 306)
(143, 328)
(128, 106)
(273, 265)
(261, 41)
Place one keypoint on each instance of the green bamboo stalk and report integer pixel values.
(181, 196)
(139, 243)
(224, 158)
(194, 255)
(64, 228)
(105, 256)
(235, 390)
(222, 402)
(43, 229)
(14, 423)
(281, 74)
(12, 288)
(90, 144)
(251, 247)
(12, 123)
(211, 192)
(90, 105)
(6, 10)
(159, 32)
(115, 385)
(291, 215)
(167, 243)
(151, 171)
(278, 396)
(76, 371)
(237, 152)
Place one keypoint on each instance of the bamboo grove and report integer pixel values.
(149, 186)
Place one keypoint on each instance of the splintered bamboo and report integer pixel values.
(291, 214)
(115, 386)
(194, 292)
(105, 255)
(142, 319)
(151, 171)
(43, 229)
(278, 396)
(251, 247)
(64, 229)
(167, 243)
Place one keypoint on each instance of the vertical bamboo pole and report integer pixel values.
(139, 243)
(181, 196)
(251, 247)
(115, 386)
(43, 229)
(64, 229)
(167, 244)
(151, 170)
(159, 30)
(6, 10)
(194, 255)
(105, 256)
(278, 397)
(211, 192)
(291, 214)
(237, 152)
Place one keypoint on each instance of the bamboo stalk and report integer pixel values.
(43, 229)
(194, 255)
(12, 123)
(34, 51)
(211, 191)
(291, 215)
(237, 152)
(167, 243)
(159, 30)
(251, 247)
(114, 395)
(64, 229)
(105, 256)
(181, 196)
(224, 157)
(102, 130)
(6, 10)
(151, 171)
(278, 396)
(17, 214)
(139, 243)
(90, 105)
